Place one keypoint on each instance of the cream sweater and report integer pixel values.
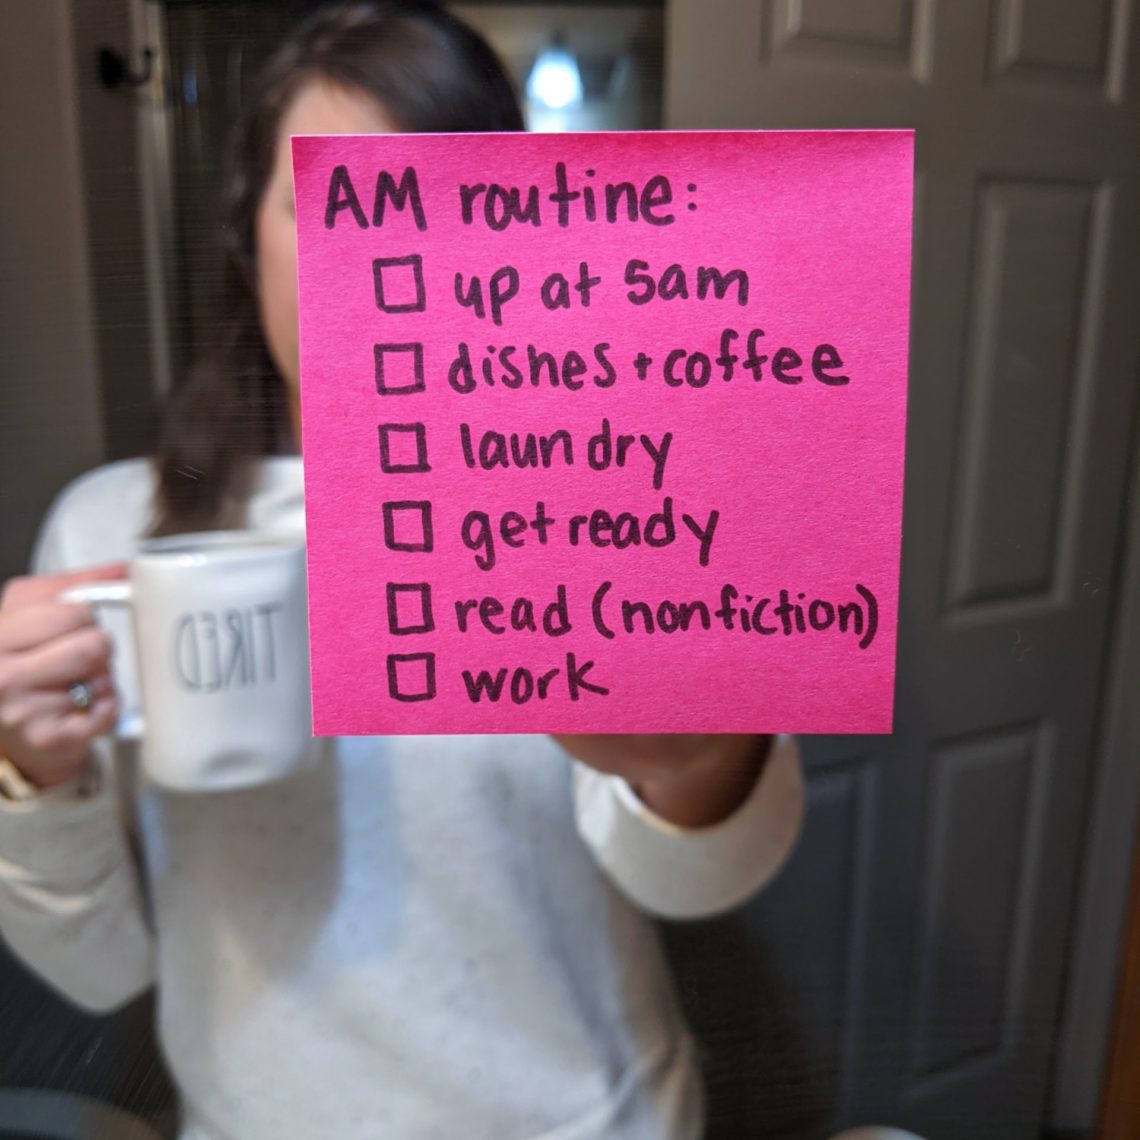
(425, 938)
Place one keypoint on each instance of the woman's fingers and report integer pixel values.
(34, 625)
(32, 615)
(38, 588)
(75, 656)
(55, 749)
(46, 646)
(22, 709)
(79, 729)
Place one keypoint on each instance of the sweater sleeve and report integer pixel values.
(674, 872)
(70, 898)
(70, 892)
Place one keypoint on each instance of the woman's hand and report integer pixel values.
(690, 780)
(46, 646)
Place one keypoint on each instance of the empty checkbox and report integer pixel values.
(407, 526)
(399, 284)
(409, 608)
(411, 676)
(399, 369)
(403, 449)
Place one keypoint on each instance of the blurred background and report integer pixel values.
(955, 947)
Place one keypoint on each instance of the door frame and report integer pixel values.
(1120, 1109)
(1103, 938)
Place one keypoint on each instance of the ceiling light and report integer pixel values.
(555, 80)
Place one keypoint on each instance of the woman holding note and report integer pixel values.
(412, 936)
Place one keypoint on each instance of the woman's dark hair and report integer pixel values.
(430, 73)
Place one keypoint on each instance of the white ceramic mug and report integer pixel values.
(221, 655)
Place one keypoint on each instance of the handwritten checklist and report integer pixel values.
(604, 433)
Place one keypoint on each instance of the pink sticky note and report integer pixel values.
(604, 432)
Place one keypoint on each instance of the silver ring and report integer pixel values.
(82, 697)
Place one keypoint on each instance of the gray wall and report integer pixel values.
(75, 369)
(51, 425)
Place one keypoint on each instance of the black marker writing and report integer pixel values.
(487, 450)
(499, 207)
(783, 612)
(342, 196)
(674, 283)
(524, 684)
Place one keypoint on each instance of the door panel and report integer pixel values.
(878, 32)
(923, 924)
(983, 822)
(1032, 270)
(1059, 42)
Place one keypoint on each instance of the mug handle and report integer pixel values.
(100, 594)
(130, 725)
